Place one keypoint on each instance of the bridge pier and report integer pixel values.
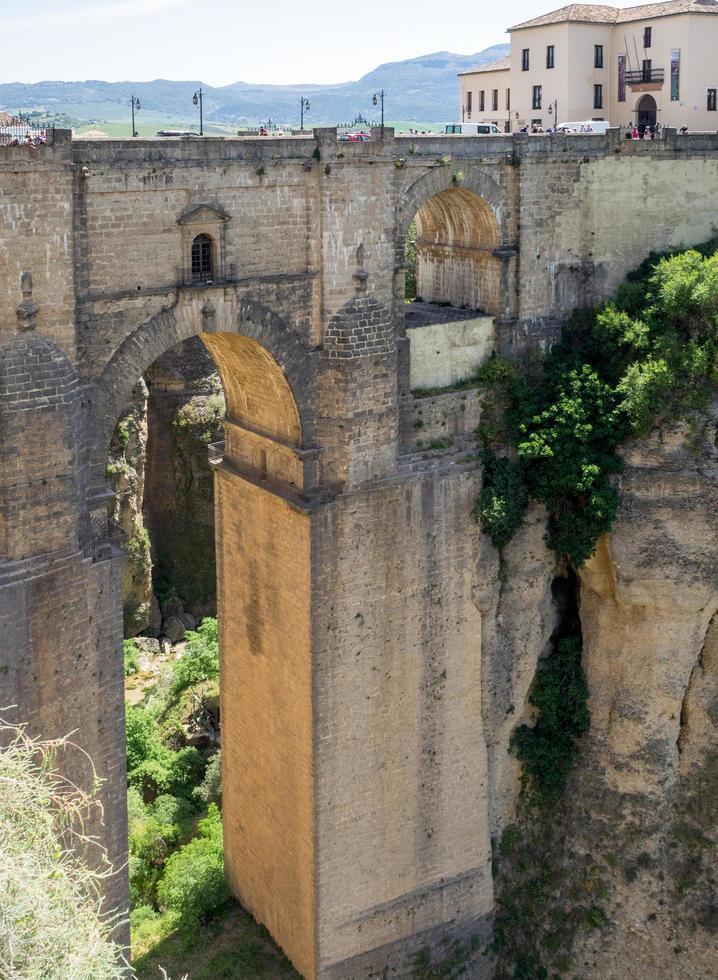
(354, 763)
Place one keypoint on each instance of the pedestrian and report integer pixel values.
(647, 135)
(635, 135)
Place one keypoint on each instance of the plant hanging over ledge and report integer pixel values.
(648, 356)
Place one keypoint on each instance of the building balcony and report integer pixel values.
(645, 76)
(226, 272)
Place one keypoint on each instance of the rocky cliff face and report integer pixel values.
(186, 408)
(126, 472)
(648, 612)
(618, 880)
(164, 496)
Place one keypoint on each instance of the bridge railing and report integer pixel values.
(15, 132)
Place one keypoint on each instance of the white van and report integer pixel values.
(586, 126)
(473, 129)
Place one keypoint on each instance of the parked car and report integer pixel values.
(585, 126)
(177, 133)
(473, 129)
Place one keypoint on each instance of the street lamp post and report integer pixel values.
(303, 107)
(375, 100)
(553, 111)
(135, 103)
(197, 100)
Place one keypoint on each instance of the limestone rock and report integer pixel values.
(174, 629)
(155, 623)
(518, 618)
(126, 473)
(147, 645)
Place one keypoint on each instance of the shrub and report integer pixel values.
(193, 884)
(503, 500)
(168, 772)
(132, 657)
(210, 789)
(51, 926)
(175, 810)
(143, 742)
(200, 658)
(186, 769)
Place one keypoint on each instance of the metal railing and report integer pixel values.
(636, 77)
(15, 132)
(113, 541)
(226, 272)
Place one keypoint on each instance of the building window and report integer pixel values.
(646, 37)
(481, 100)
(468, 103)
(711, 100)
(550, 56)
(536, 98)
(202, 264)
(494, 100)
(598, 56)
(646, 70)
(525, 59)
(598, 96)
(508, 99)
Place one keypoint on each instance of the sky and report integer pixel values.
(224, 41)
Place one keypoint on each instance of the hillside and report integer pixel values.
(423, 88)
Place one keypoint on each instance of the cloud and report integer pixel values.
(97, 13)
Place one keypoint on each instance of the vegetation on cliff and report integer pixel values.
(51, 926)
(647, 356)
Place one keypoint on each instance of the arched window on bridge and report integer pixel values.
(202, 259)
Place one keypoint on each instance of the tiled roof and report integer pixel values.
(650, 10)
(593, 13)
(501, 64)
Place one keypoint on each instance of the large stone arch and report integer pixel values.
(254, 340)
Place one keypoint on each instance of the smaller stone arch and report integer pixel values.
(456, 244)
(439, 179)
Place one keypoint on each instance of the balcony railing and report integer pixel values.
(226, 272)
(636, 77)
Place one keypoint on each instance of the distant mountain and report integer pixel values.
(424, 89)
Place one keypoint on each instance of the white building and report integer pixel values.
(654, 63)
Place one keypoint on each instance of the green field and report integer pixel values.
(148, 125)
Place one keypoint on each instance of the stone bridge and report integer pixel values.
(356, 777)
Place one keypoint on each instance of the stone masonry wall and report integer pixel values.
(36, 235)
(401, 763)
(371, 729)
